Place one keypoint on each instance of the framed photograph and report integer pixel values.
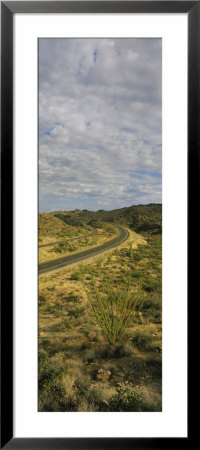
(99, 156)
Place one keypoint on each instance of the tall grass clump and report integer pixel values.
(113, 308)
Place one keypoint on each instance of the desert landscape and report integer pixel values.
(100, 314)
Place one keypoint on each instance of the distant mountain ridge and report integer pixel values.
(146, 219)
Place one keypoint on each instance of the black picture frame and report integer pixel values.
(8, 9)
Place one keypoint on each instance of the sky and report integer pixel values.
(100, 123)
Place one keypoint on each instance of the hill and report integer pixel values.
(146, 219)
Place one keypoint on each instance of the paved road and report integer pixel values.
(50, 244)
(70, 259)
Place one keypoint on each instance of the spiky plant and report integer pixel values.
(113, 308)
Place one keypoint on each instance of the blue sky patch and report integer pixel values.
(128, 130)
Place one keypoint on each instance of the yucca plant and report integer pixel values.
(113, 308)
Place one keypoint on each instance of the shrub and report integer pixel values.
(76, 313)
(58, 249)
(121, 351)
(143, 341)
(116, 351)
(83, 269)
(151, 284)
(82, 385)
(67, 323)
(137, 255)
(126, 400)
(155, 364)
(152, 309)
(75, 276)
(51, 388)
(113, 309)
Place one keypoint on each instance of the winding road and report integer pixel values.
(76, 257)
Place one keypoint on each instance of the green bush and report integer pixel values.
(58, 249)
(83, 269)
(152, 309)
(50, 386)
(142, 340)
(126, 400)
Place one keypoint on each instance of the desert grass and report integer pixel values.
(64, 247)
(79, 369)
(52, 229)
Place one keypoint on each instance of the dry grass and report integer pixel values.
(79, 370)
(52, 229)
(62, 235)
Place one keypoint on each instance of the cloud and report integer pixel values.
(99, 122)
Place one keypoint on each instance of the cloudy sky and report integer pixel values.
(99, 123)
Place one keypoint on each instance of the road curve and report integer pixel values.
(70, 259)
